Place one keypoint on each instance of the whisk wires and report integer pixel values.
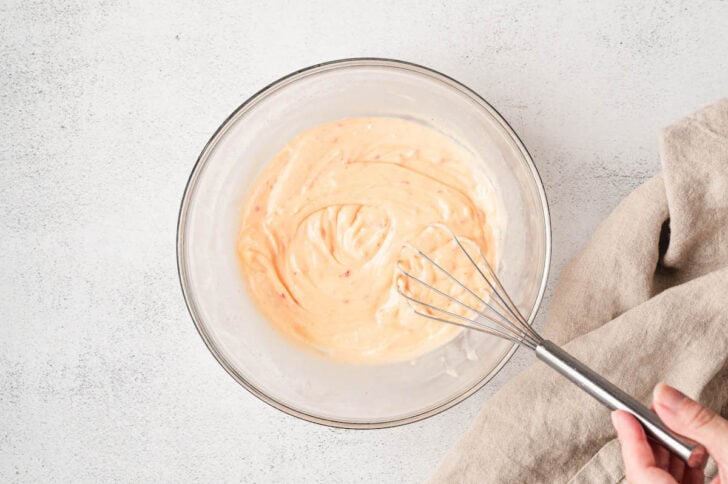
(497, 315)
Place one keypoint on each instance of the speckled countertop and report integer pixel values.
(104, 106)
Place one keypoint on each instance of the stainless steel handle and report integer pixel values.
(615, 399)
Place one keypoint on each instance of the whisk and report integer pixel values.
(498, 316)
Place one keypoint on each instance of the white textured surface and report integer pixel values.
(104, 107)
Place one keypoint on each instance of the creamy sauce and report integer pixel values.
(324, 225)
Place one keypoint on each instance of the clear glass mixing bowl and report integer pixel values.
(297, 381)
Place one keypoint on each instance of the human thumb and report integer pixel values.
(691, 419)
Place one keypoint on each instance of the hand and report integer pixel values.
(646, 462)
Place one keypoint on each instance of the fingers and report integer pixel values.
(689, 418)
(636, 449)
(676, 467)
(639, 460)
(693, 475)
(662, 456)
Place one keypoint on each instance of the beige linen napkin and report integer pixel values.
(645, 301)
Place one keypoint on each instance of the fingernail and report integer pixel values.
(614, 417)
(668, 397)
(617, 419)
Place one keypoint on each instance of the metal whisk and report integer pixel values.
(490, 310)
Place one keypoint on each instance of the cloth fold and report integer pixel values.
(645, 301)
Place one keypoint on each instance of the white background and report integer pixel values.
(104, 107)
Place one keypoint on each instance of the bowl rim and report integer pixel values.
(248, 104)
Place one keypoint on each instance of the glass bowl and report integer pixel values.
(253, 353)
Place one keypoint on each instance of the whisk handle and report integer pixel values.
(614, 398)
